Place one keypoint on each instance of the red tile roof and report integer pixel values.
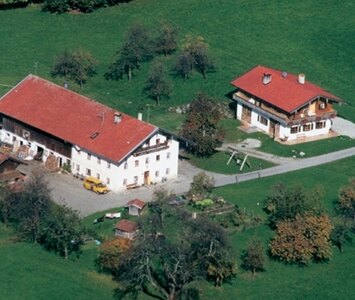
(127, 226)
(136, 202)
(285, 93)
(74, 118)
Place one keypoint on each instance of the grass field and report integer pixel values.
(314, 37)
(29, 272)
(25, 275)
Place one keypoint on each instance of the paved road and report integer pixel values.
(69, 191)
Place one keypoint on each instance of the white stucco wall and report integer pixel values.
(239, 111)
(117, 176)
(286, 131)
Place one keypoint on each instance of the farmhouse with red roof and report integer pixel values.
(64, 127)
(285, 106)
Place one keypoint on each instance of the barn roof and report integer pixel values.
(75, 118)
(284, 91)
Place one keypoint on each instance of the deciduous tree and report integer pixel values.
(201, 185)
(84, 66)
(254, 257)
(136, 49)
(201, 125)
(164, 265)
(183, 65)
(157, 86)
(302, 239)
(78, 66)
(287, 202)
(61, 231)
(346, 203)
(340, 235)
(110, 254)
(166, 41)
(63, 65)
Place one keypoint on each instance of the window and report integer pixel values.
(320, 124)
(156, 173)
(78, 168)
(167, 171)
(88, 172)
(294, 129)
(135, 179)
(89, 156)
(98, 176)
(125, 181)
(108, 165)
(136, 163)
(147, 160)
(108, 180)
(157, 141)
(168, 155)
(308, 127)
(125, 165)
(157, 158)
(99, 160)
(262, 120)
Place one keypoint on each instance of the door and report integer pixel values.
(146, 178)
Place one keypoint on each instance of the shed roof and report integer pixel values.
(136, 202)
(127, 226)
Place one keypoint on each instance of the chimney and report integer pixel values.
(140, 116)
(117, 117)
(301, 78)
(266, 78)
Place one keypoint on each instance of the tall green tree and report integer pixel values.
(286, 202)
(302, 239)
(136, 49)
(346, 202)
(202, 125)
(32, 205)
(166, 41)
(61, 231)
(78, 66)
(63, 65)
(196, 48)
(254, 257)
(84, 66)
(163, 265)
(157, 85)
(183, 65)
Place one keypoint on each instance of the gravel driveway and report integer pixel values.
(68, 190)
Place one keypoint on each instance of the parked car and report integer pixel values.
(95, 185)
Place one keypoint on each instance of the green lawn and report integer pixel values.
(313, 36)
(218, 163)
(29, 272)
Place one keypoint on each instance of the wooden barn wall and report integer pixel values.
(49, 141)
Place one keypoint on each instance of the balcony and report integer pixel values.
(151, 149)
(316, 111)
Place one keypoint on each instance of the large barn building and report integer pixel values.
(61, 127)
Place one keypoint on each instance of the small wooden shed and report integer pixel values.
(135, 207)
(126, 229)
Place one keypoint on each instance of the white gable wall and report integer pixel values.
(133, 169)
